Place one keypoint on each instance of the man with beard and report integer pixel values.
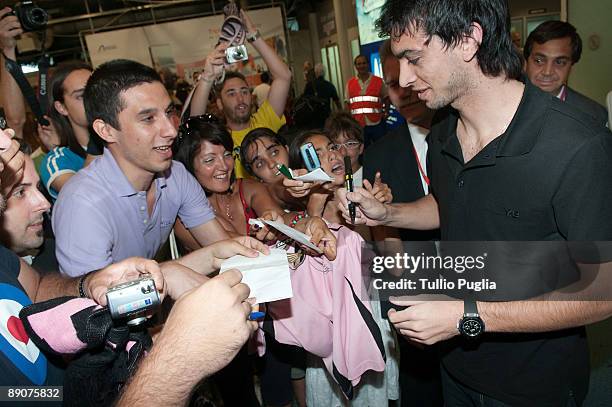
(508, 163)
(21, 227)
(234, 97)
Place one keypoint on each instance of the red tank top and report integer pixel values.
(249, 213)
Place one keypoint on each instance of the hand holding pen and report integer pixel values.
(348, 182)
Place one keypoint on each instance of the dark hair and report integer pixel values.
(552, 30)
(295, 157)
(103, 91)
(343, 122)
(451, 21)
(191, 135)
(265, 77)
(359, 56)
(309, 112)
(251, 137)
(56, 94)
(229, 75)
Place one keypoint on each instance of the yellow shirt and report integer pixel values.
(264, 117)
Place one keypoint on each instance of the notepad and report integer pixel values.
(313, 176)
(267, 276)
(296, 235)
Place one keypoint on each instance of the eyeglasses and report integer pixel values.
(189, 124)
(349, 145)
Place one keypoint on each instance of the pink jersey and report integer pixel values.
(329, 314)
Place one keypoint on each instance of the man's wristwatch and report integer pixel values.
(253, 36)
(470, 325)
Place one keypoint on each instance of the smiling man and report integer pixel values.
(125, 203)
(551, 50)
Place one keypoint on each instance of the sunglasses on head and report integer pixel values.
(190, 123)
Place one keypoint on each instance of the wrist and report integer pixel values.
(253, 35)
(83, 287)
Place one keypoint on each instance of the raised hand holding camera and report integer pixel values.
(233, 32)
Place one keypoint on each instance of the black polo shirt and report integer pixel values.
(548, 177)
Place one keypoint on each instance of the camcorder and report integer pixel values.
(133, 300)
(30, 16)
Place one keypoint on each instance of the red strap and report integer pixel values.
(423, 174)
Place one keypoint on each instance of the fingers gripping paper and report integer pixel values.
(267, 276)
(288, 231)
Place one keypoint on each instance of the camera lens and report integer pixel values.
(38, 16)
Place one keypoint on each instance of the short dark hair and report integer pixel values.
(343, 122)
(265, 77)
(102, 96)
(252, 137)
(295, 157)
(229, 75)
(191, 136)
(552, 30)
(359, 56)
(56, 94)
(451, 20)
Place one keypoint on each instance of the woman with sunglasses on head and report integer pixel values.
(205, 148)
(67, 114)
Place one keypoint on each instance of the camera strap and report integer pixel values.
(28, 93)
(43, 76)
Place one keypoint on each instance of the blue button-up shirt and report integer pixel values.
(99, 218)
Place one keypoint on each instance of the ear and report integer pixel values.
(104, 130)
(361, 148)
(219, 104)
(471, 43)
(59, 106)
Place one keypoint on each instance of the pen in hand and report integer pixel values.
(348, 182)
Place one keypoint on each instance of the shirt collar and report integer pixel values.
(114, 176)
(417, 131)
(562, 95)
(522, 132)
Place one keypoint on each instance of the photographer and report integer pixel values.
(234, 96)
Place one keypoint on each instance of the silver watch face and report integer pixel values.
(471, 327)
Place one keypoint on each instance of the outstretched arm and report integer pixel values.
(281, 74)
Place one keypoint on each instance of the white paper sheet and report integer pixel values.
(313, 176)
(267, 276)
(296, 235)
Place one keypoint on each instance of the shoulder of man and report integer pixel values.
(265, 116)
(587, 105)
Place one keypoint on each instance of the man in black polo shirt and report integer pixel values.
(510, 162)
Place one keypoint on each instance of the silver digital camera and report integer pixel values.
(236, 54)
(133, 300)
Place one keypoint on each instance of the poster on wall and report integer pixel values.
(368, 12)
(181, 47)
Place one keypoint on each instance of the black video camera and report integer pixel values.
(30, 16)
